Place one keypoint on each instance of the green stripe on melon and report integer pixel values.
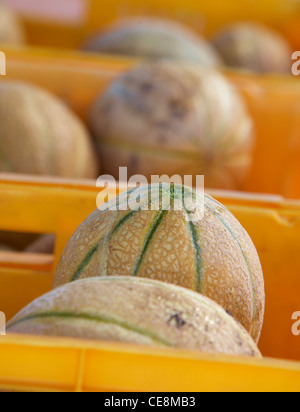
(148, 240)
(198, 254)
(135, 310)
(243, 253)
(213, 256)
(86, 316)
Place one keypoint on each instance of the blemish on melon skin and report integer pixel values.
(239, 340)
(177, 320)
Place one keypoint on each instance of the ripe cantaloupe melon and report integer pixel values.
(136, 311)
(212, 255)
(11, 30)
(40, 135)
(254, 47)
(154, 39)
(166, 118)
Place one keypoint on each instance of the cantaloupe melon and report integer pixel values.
(212, 255)
(164, 118)
(11, 29)
(40, 135)
(254, 47)
(154, 38)
(135, 311)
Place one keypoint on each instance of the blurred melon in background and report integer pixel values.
(254, 47)
(174, 118)
(154, 38)
(11, 28)
(42, 136)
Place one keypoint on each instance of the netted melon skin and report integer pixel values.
(154, 39)
(138, 311)
(213, 255)
(11, 29)
(164, 118)
(254, 47)
(42, 136)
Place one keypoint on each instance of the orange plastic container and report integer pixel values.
(34, 363)
(273, 102)
(66, 23)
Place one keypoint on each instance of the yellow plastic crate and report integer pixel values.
(56, 23)
(39, 364)
(273, 103)
(35, 363)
